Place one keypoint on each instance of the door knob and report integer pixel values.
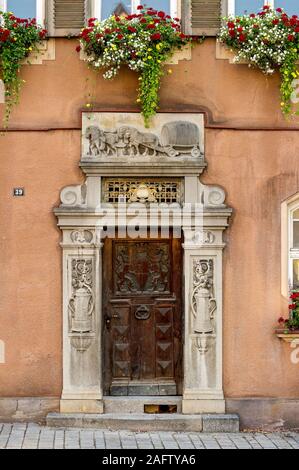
(108, 321)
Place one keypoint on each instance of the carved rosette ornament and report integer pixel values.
(203, 303)
(81, 305)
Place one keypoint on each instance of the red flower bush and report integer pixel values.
(142, 41)
(268, 41)
(292, 323)
(18, 37)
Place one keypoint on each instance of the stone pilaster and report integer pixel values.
(82, 348)
(203, 390)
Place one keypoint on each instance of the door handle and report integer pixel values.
(107, 321)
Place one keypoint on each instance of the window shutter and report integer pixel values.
(66, 17)
(202, 16)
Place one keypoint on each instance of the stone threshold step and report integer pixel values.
(147, 422)
(121, 405)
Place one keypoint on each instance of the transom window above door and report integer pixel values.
(245, 7)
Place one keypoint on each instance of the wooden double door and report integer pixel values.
(142, 309)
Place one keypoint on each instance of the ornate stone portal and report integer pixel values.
(124, 163)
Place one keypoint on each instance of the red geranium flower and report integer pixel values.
(230, 24)
(161, 14)
(232, 33)
(279, 10)
(291, 37)
(281, 320)
(156, 37)
(151, 26)
(4, 35)
(119, 36)
(78, 48)
(295, 295)
(276, 21)
(142, 20)
(252, 15)
(183, 36)
(131, 29)
(266, 7)
(292, 306)
(140, 7)
(242, 37)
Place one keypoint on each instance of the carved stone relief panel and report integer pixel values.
(123, 136)
(203, 304)
(147, 272)
(81, 304)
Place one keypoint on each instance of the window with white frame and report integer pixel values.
(294, 245)
(105, 8)
(245, 7)
(25, 8)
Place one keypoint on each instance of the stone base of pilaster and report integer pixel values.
(81, 406)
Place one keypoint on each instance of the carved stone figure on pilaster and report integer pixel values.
(81, 305)
(203, 303)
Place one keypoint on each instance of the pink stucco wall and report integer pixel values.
(250, 153)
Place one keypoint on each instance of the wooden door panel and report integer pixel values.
(142, 311)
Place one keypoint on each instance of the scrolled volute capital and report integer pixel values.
(73, 196)
(213, 196)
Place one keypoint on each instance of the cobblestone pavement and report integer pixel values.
(33, 436)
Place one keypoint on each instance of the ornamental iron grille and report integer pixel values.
(124, 190)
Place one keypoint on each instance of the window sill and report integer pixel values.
(224, 53)
(288, 337)
(46, 52)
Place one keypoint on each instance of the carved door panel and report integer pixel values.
(142, 316)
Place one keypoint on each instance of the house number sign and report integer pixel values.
(17, 192)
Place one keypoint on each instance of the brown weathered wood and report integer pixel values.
(142, 314)
(67, 17)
